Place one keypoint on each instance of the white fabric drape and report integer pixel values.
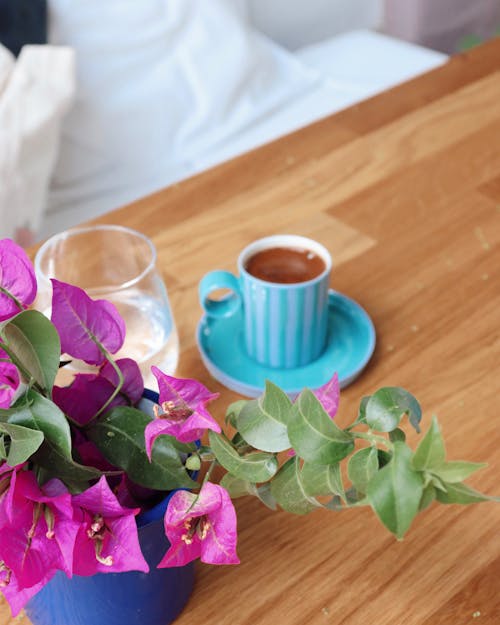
(35, 91)
(160, 84)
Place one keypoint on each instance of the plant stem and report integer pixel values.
(209, 471)
(30, 380)
(118, 388)
(12, 297)
(374, 438)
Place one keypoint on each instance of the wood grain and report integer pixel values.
(404, 189)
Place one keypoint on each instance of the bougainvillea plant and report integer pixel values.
(79, 463)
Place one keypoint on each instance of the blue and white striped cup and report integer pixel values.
(284, 325)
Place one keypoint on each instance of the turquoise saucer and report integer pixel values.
(351, 341)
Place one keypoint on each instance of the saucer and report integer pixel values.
(350, 344)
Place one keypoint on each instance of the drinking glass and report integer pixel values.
(117, 264)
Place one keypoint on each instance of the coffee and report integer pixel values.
(285, 265)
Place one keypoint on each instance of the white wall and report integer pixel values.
(295, 23)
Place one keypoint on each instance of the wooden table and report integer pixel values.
(404, 190)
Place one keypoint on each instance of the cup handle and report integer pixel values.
(226, 306)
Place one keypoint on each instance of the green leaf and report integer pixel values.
(429, 478)
(457, 471)
(252, 467)
(428, 496)
(3, 452)
(74, 486)
(430, 452)
(54, 454)
(288, 491)
(352, 500)
(397, 435)
(384, 457)
(58, 464)
(23, 442)
(236, 487)
(314, 435)
(263, 422)
(386, 407)
(119, 435)
(395, 491)
(40, 413)
(462, 494)
(322, 479)
(266, 497)
(361, 418)
(238, 441)
(361, 467)
(35, 343)
(239, 488)
(233, 410)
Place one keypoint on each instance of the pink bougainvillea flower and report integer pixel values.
(17, 279)
(81, 321)
(16, 596)
(329, 395)
(84, 397)
(133, 383)
(107, 541)
(201, 526)
(88, 392)
(183, 413)
(40, 536)
(9, 383)
(7, 488)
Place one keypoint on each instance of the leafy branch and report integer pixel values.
(386, 474)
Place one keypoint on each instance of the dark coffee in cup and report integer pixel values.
(285, 265)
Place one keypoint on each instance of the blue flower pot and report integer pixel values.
(132, 598)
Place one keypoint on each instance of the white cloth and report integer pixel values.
(35, 91)
(361, 63)
(297, 23)
(159, 83)
(353, 66)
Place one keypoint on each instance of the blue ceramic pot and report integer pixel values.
(133, 598)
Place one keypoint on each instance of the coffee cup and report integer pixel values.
(282, 294)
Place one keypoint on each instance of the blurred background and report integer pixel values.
(444, 25)
(102, 102)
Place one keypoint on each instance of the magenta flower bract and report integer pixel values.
(80, 321)
(107, 540)
(201, 526)
(7, 488)
(14, 593)
(329, 395)
(17, 277)
(183, 414)
(9, 383)
(133, 383)
(16, 596)
(88, 392)
(38, 533)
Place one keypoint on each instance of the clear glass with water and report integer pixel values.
(117, 264)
